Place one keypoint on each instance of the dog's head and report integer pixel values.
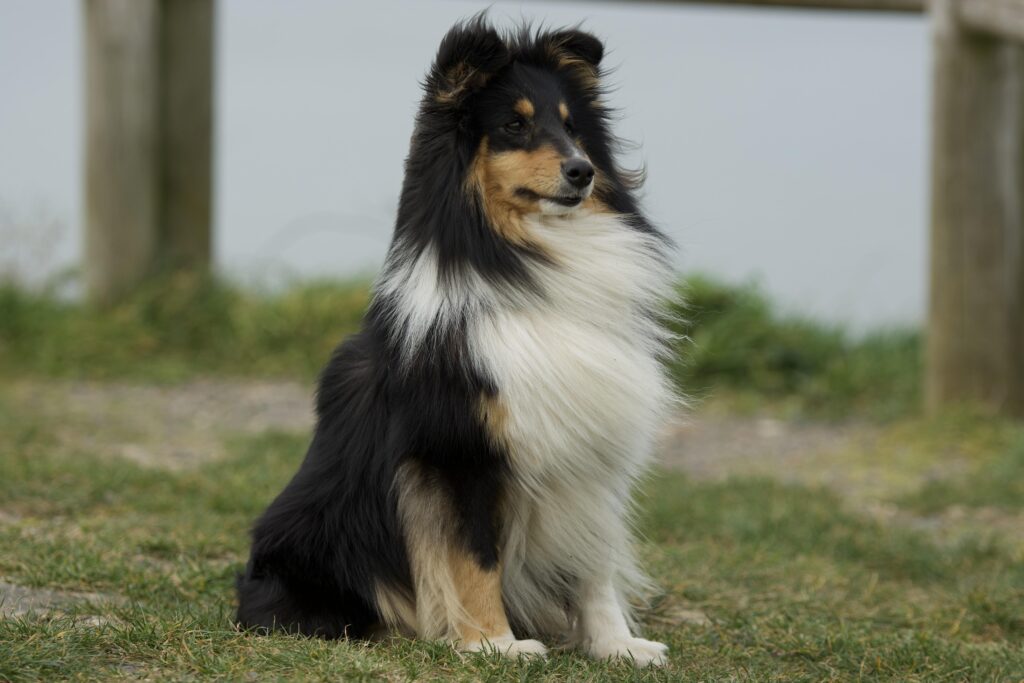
(528, 108)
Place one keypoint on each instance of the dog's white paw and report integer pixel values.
(640, 651)
(508, 646)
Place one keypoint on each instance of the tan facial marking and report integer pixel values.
(602, 185)
(563, 111)
(524, 107)
(594, 204)
(496, 177)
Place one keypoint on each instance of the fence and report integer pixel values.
(149, 130)
(149, 112)
(975, 332)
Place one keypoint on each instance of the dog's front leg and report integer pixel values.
(455, 564)
(604, 632)
(483, 626)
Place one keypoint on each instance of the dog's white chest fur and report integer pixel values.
(583, 391)
(577, 372)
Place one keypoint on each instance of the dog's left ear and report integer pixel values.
(469, 55)
(578, 45)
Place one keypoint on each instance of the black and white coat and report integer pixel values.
(478, 442)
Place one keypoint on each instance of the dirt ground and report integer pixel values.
(17, 600)
(183, 425)
(174, 427)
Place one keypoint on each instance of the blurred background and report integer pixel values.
(196, 194)
(784, 147)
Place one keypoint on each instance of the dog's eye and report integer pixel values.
(569, 128)
(514, 127)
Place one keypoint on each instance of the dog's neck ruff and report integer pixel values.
(602, 272)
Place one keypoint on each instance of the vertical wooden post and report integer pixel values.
(122, 131)
(976, 312)
(149, 93)
(186, 131)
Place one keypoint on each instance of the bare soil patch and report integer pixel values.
(184, 425)
(175, 426)
(16, 601)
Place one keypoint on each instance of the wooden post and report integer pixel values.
(186, 131)
(148, 139)
(121, 180)
(976, 312)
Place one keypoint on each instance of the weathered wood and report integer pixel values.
(149, 94)
(1003, 18)
(1000, 17)
(976, 312)
(849, 5)
(186, 131)
(122, 132)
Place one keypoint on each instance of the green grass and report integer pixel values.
(797, 586)
(995, 483)
(743, 345)
(178, 327)
(737, 342)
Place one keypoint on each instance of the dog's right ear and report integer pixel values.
(469, 55)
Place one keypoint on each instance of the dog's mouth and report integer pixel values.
(568, 200)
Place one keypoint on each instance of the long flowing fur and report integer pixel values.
(501, 400)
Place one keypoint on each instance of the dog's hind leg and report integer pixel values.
(268, 603)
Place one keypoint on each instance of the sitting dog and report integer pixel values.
(471, 472)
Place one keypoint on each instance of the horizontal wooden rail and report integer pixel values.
(849, 5)
(1003, 18)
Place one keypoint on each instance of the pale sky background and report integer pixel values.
(787, 147)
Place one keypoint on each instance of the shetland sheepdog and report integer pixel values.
(477, 443)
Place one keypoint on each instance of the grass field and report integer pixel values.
(760, 580)
(898, 556)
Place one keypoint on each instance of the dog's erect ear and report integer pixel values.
(469, 55)
(578, 45)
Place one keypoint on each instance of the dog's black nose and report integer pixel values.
(579, 172)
